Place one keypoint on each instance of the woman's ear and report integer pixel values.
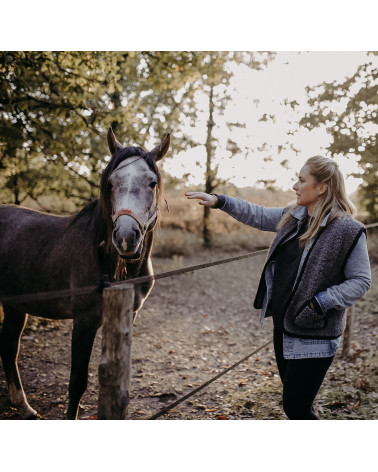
(322, 188)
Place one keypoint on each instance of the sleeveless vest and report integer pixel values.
(322, 268)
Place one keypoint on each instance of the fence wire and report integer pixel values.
(93, 289)
(201, 387)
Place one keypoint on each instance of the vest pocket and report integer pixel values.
(308, 318)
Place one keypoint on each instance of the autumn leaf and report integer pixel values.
(222, 417)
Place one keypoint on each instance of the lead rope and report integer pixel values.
(193, 392)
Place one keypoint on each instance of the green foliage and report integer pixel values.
(354, 127)
(55, 108)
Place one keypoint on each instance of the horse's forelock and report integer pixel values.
(115, 161)
(119, 157)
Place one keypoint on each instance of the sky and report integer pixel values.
(286, 77)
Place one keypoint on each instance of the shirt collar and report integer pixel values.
(300, 213)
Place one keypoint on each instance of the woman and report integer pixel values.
(317, 266)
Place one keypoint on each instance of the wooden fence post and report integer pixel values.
(115, 362)
(348, 332)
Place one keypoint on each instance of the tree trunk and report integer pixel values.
(115, 363)
(16, 191)
(16, 196)
(209, 178)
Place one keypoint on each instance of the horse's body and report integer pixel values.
(41, 252)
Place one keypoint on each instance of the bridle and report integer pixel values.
(125, 211)
(137, 218)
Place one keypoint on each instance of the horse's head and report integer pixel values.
(130, 189)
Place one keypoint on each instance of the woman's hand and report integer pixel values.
(205, 198)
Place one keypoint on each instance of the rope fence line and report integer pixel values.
(93, 289)
(213, 379)
(371, 225)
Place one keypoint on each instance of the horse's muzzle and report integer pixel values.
(127, 239)
(136, 256)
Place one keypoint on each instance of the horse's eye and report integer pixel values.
(153, 184)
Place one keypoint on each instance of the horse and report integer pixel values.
(109, 239)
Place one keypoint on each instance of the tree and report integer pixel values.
(47, 119)
(214, 82)
(55, 108)
(354, 127)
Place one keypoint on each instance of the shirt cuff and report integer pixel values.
(323, 301)
(221, 201)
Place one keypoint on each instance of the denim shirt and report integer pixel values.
(357, 274)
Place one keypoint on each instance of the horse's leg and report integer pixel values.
(83, 335)
(13, 325)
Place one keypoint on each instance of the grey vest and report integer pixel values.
(322, 268)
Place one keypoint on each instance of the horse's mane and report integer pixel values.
(96, 216)
(91, 220)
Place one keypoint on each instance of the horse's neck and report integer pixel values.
(90, 220)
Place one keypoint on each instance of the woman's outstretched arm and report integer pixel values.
(260, 217)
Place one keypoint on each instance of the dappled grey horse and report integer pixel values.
(111, 238)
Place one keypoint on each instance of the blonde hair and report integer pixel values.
(333, 201)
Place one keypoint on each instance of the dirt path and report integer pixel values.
(190, 328)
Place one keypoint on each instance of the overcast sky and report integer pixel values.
(286, 77)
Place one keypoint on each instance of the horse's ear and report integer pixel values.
(113, 144)
(161, 150)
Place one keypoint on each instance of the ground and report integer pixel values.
(191, 328)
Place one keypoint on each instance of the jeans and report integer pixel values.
(301, 379)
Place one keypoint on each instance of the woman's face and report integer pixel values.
(307, 189)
